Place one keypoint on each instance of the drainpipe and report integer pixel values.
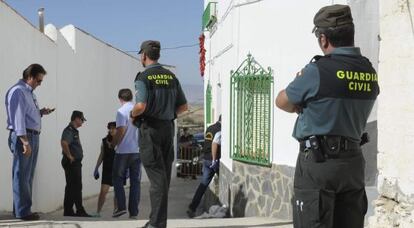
(41, 20)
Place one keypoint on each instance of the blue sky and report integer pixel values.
(126, 23)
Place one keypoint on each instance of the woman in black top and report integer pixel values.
(107, 158)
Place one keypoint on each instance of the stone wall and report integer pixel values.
(219, 191)
(252, 190)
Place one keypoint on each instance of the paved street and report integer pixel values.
(181, 192)
(180, 195)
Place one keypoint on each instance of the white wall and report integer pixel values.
(278, 35)
(366, 19)
(83, 73)
(394, 207)
(396, 102)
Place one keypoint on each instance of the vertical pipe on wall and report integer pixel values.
(40, 12)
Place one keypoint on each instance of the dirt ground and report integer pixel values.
(193, 119)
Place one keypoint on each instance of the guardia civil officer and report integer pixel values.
(72, 165)
(334, 95)
(159, 99)
(211, 163)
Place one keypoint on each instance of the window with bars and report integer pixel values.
(250, 113)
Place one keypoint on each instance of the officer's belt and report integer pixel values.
(154, 122)
(344, 143)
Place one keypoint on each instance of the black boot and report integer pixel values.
(82, 213)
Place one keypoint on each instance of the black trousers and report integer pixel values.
(73, 189)
(330, 194)
(157, 154)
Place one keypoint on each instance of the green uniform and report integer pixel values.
(162, 93)
(71, 136)
(338, 102)
(337, 93)
(73, 172)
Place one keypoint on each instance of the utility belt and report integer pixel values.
(150, 121)
(318, 148)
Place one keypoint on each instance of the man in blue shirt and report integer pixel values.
(24, 124)
(333, 96)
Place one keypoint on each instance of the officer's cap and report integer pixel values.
(111, 125)
(78, 114)
(150, 46)
(332, 16)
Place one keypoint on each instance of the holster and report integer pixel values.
(138, 121)
(331, 146)
(316, 149)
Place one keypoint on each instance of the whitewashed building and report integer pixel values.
(83, 73)
(395, 206)
(254, 48)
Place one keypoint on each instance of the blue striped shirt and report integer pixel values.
(22, 109)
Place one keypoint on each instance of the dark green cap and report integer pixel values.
(150, 46)
(111, 125)
(332, 16)
(77, 114)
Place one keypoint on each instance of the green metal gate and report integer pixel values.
(250, 113)
(208, 105)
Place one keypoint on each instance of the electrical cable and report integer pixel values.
(177, 47)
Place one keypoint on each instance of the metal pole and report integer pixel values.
(40, 12)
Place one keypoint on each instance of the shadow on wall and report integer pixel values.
(239, 203)
(370, 152)
(210, 199)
